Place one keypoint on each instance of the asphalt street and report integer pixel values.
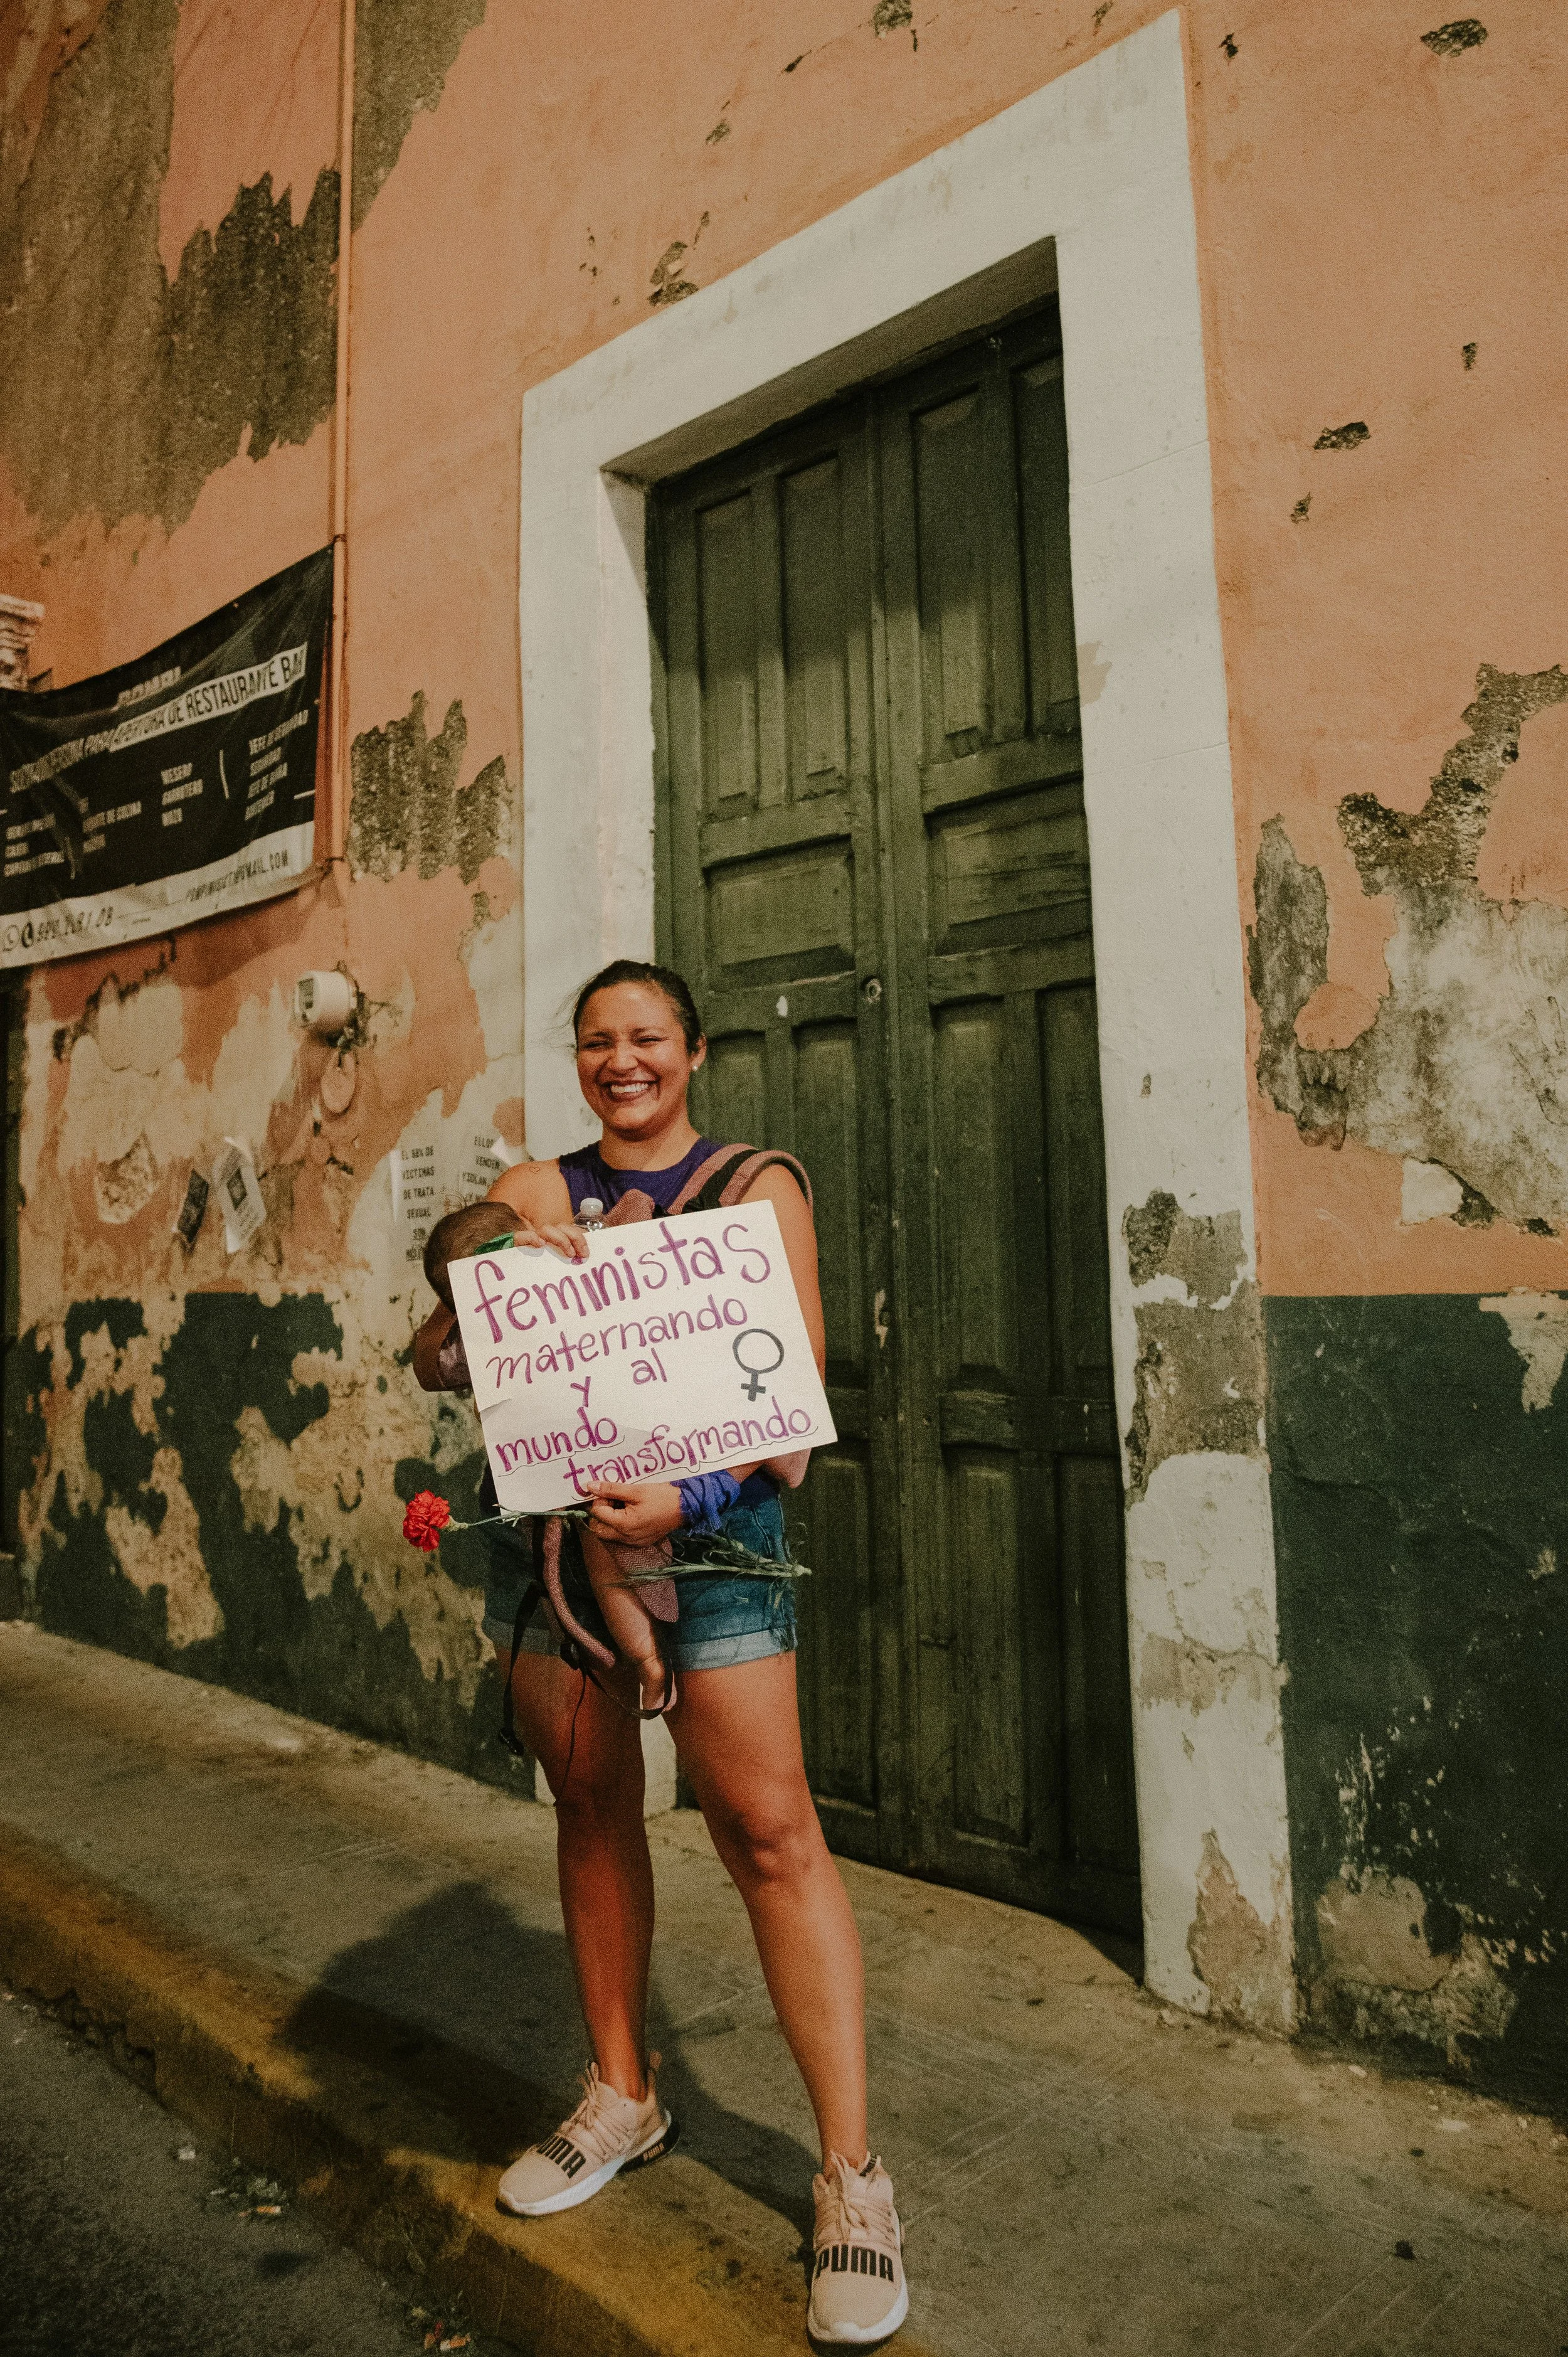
(124, 2234)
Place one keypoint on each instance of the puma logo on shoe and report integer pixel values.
(858, 2291)
(607, 2133)
(856, 2259)
(565, 2155)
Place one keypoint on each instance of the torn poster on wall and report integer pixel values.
(171, 789)
(418, 1198)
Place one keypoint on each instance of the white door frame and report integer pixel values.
(1090, 175)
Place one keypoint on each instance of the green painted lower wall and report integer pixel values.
(325, 1655)
(1422, 1534)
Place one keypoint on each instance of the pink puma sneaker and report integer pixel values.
(605, 2134)
(858, 2292)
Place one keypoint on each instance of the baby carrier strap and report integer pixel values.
(725, 1177)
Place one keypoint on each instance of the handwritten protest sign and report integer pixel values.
(678, 1347)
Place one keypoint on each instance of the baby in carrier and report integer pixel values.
(630, 1613)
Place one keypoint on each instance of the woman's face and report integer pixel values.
(633, 1063)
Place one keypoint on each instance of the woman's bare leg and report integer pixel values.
(601, 1852)
(738, 1734)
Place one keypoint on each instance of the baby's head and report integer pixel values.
(460, 1236)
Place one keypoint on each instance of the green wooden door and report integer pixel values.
(873, 868)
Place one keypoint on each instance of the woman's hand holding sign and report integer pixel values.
(556, 1236)
(635, 1517)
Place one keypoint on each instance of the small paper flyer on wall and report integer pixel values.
(676, 1347)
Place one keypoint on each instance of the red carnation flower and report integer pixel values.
(426, 1518)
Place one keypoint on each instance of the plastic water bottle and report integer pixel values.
(590, 1213)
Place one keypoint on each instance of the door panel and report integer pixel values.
(874, 869)
(762, 574)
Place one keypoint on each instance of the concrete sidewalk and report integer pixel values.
(350, 1964)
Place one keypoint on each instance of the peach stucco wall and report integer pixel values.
(1369, 207)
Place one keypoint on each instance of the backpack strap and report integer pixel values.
(771, 1158)
(725, 1177)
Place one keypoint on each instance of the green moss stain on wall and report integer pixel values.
(123, 390)
(1421, 1527)
(229, 1369)
(407, 811)
(403, 50)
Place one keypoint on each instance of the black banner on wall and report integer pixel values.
(171, 789)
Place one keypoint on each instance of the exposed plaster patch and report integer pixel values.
(668, 280)
(1438, 844)
(1195, 1678)
(1205, 1254)
(1242, 1962)
(1427, 1191)
(403, 52)
(236, 351)
(169, 1555)
(1344, 437)
(315, 1467)
(1382, 1979)
(1452, 40)
(1092, 673)
(327, 1490)
(154, 1533)
(1372, 1928)
(1537, 1328)
(127, 1185)
(1199, 1374)
(1465, 1062)
(408, 810)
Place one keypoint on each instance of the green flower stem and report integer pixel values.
(705, 1551)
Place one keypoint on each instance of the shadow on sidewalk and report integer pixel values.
(470, 2014)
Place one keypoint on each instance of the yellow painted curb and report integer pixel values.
(396, 2141)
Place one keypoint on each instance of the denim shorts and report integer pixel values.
(724, 1619)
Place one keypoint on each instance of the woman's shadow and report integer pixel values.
(471, 2020)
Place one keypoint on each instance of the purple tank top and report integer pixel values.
(587, 1173)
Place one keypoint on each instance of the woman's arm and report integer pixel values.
(782, 1190)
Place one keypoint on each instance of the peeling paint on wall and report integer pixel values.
(403, 52)
(407, 809)
(1196, 1677)
(221, 1497)
(1537, 1328)
(1385, 1979)
(1199, 1372)
(35, 43)
(1421, 1514)
(1464, 1063)
(1242, 1961)
(124, 400)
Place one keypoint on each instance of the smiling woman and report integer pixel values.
(733, 1717)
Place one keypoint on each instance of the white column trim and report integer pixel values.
(1092, 169)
